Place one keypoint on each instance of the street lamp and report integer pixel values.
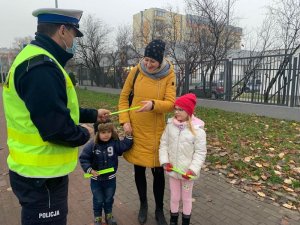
(228, 9)
(56, 5)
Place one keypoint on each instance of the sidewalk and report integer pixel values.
(216, 202)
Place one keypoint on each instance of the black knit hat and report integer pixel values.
(155, 50)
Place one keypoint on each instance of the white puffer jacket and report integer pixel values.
(183, 149)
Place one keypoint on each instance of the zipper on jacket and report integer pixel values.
(49, 201)
(177, 151)
(156, 148)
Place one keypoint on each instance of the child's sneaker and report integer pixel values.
(110, 220)
(98, 220)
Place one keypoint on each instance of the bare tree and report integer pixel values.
(258, 47)
(220, 35)
(126, 49)
(93, 46)
(21, 42)
(286, 16)
(204, 41)
(184, 46)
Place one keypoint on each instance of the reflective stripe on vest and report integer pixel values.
(29, 155)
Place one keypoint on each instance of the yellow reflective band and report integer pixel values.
(100, 172)
(44, 160)
(28, 139)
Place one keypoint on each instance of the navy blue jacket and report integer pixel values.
(103, 155)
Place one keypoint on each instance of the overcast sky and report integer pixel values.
(16, 19)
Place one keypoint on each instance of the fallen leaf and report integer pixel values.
(224, 166)
(288, 181)
(278, 167)
(288, 189)
(248, 158)
(258, 165)
(266, 144)
(277, 172)
(230, 175)
(281, 155)
(288, 206)
(272, 149)
(261, 194)
(297, 169)
(264, 177)
(218, 166)
(255, 178)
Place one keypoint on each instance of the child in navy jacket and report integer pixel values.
(99, 154)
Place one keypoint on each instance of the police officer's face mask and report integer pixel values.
(71, 49)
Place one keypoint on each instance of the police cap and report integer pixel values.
(60, 16)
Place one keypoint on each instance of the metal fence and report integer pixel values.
(270, 79)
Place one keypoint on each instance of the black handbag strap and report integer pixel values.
(135, 76)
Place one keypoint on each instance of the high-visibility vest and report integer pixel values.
(29, 155)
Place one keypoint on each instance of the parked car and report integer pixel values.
(250, 87)
(217, 90)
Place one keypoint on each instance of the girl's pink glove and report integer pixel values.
(168, 167)
(186, 175)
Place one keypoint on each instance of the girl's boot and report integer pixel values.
(174, 218)
(186, 219)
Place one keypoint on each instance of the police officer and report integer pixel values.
(43, 116)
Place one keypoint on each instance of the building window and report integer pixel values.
(160, 13)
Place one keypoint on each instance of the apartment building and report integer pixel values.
(160, 23)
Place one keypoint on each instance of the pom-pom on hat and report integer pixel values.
(187, 102)
(155, 50)
(60, 16)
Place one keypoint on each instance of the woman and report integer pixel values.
(154, 90)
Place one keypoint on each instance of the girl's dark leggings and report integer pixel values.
(158, 184)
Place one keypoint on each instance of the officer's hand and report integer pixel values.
(103, 115)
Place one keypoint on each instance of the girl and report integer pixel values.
(101, 154)
(183, 148)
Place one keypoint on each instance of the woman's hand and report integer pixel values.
(127, 128)
(146, 107)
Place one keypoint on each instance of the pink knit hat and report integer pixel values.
(187, 102)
